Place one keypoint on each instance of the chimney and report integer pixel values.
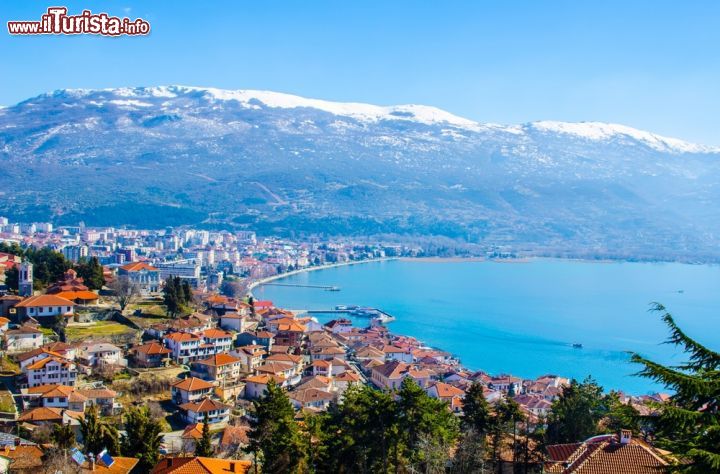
(91, 461)
(625, 436)
(169, 462)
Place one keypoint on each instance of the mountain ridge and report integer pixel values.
(217, 158)
(422, 113)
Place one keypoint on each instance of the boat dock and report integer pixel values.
(381, 315)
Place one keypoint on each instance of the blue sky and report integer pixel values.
(653, 65)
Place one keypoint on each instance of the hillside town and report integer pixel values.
(162, 329)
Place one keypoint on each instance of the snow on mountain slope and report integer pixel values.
(605, 131)
(256, 99)
(191, 154)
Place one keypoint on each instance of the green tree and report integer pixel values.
(12, 248)
(98, 434)
(204, 447)
(476, 410)
(12, 278)
(506, 416)
(142, 438)
(275, 434)
(575, 414)
(63, 436)
(425, 423)
(362, 433)
(48, 265)
(251, 302)
(689, 425)
(171, 299)
(620, 415)
(315, 439)
(91, 272)
(187, 292)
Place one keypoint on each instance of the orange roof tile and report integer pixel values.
(216, 334)
(263, 379)
(41, 414)
(199, 465)
(204, 405)
(44, 300)
(191, 384)
(137, 266)
(219, 360)
(193, 431)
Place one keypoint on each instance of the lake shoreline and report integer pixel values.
(524, 319)
(299, 271)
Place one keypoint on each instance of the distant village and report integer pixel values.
(68, 347)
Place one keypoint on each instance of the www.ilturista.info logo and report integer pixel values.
(57, 22)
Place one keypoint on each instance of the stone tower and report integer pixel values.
(25, 279)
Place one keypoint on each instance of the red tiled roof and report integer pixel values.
(137, 266)
(42, 414)
(605, 455)
(235, 435)
(44, 300)
(203, 406)
(219, 360)
(191, 384)
(152, 348)
(199, 465)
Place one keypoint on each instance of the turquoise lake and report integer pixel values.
(522, 317)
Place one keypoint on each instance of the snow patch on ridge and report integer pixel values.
(599, 131)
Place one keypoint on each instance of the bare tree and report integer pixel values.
(58, 461)
(124, 291)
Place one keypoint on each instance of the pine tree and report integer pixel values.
(171, 297)
(574, 416)
(187, 292)
(476, 410)
(98, 434)
(275, 435)
(426, 424)
(63, 436)
(204, 447)
(142, 437)
(91, 272)
(505, 417)
(12, 278)
(362, 433)
(689, 425)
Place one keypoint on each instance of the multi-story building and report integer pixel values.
(75, 252)
(51, 370)
(145, 276)
(222, 368)
(188, 347)
(190, 389)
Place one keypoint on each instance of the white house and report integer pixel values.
(234, 322)
(256, 385)
(187, 347)
(205, 410)
(190, 389)
(311, 398)
(24, 338)
(51, 370)
(101, 354)
(44, 307)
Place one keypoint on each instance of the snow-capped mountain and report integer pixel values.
(178, 154)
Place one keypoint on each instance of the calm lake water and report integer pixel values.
(522, 318)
